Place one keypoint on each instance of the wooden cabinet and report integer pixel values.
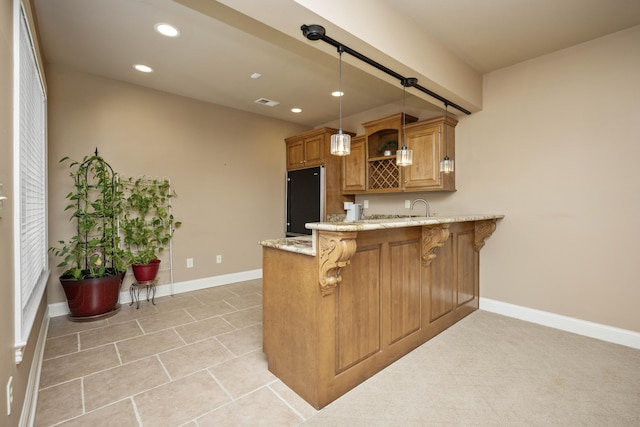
(381, 174)
(308, 149)
(390, 290)
(427, 140)
(353, 167)
(312, 148)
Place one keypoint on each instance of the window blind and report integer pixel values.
(30, 172)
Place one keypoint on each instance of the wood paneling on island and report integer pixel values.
(366, 299)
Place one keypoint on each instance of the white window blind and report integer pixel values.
(30, 179)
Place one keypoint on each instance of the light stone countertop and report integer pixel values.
(303, 244)
(306, 244)
(380, 223)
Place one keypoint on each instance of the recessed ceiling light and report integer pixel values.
(256, 75)
(337, 93)
(167, 30)
(143, 68)
(296, 110)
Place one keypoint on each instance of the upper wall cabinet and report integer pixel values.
(311, 149)
(383, 137)
(373, 169)
(308, 149)
(354, 174)
(427, 140)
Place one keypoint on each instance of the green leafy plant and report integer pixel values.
(389, 145)
(95, 206)
(147, 224)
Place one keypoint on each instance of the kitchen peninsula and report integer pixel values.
(344, 303)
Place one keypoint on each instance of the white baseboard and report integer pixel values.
(564, 323)
(28, 414)
(62, 309)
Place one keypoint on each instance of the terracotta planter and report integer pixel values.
(91, 298)
(146, 273)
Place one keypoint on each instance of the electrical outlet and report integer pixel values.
(189, 262)
(218, 259)
(9, 395)
(407, 204)
(365, 204)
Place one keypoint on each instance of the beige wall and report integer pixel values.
(227, 166)
(556, 149)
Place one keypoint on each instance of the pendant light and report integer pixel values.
(340, 142)
(446, 164)
(404, 156)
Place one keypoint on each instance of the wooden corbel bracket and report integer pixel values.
(336, 250)
(483, 229)
(433, 237)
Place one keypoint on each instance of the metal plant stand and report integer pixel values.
(135, 288)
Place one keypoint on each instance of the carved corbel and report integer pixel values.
(483, 229)
(336, 250)
(433, 238)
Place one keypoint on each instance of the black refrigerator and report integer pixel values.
(305, 199)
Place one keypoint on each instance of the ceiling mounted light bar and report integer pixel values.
(317, 32)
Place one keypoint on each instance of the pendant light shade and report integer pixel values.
(446, 164)
(404, 156)
(340, 142)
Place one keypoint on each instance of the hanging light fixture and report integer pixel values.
(446, 164)
(340, 142)
(404, 156)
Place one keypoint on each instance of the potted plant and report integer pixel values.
(92, 257)
(147, 224)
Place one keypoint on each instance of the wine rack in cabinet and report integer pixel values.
(383, 137)
(373, 169)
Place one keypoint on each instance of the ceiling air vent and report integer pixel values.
(268, 102)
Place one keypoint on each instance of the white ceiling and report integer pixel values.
(213, 59)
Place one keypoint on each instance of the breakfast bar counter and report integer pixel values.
(347, 301)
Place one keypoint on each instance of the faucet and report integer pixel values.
(425, 203)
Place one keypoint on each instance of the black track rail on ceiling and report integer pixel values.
(317, 32)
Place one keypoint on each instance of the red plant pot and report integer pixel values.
(146, 273)
(89, 298)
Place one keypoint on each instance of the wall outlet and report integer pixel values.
(365, 204)
(189, 262)
(9, 395)
(218, 259)
(407, 204)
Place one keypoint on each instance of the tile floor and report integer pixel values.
(195, 360)
(192, 359)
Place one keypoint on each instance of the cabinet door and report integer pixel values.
(425, 170)
(295, 154)
(354, 167)
(314, 150)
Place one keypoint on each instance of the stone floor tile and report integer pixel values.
(76, 365)
(243, 340)
(180, 401)
(59, 403)
(243, 374)
(244, 318)
(109, 334)
(112, 385)
(147, 345)
(188, 359)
